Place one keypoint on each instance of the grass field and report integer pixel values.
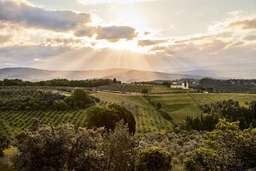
(179, 105)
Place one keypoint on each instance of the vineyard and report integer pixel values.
(124, 88)
(21, 120)
(181, 105)
(148, 119)
(178, 104)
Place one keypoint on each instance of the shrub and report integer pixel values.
(153, 159)
(79, 99)
(226, 148)
(119, 149)
(5, 137)
(108, 116)
(65, 148)
(60, 105)
(206, 122)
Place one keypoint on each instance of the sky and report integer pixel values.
(200, 37)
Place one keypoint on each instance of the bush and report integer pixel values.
(5, 137)
(226, 148)
(79, 99)
(108, 116)
(119, 149)
(65, 148)
(232, 111)
(60, 105)
(206, 122)
(153, 159)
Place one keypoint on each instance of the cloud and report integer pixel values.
(150, 42)
(250, 38)
(17, 56)
(244, 24)
(115, 33)
(110, 33)
(95, 2)
(5, 38)
(28, 15)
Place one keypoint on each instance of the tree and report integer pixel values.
(158, 106)
(5, 140)
(144, 91)
(232, 111)
(114, 80)
(46, 149)
(119, 149)
(206, 122)
(226, 148)
(79, 99)
(108, 116)
(65, 148)
(153, 159)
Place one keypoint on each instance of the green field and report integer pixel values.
(21, 120)
(180, 105)
(177, 103)
(147, 118)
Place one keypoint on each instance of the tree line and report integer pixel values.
(19, 100)
(59, 82)
(228, 109)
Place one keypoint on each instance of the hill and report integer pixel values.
(125, 75)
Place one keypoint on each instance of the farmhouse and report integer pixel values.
(180, 85)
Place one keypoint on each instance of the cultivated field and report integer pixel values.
(179, 105)
(148, 119)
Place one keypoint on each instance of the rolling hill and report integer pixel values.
(125, 75)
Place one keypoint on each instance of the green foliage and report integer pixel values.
(65, 148)
(5, 137)
(45, 149)
(30, 99)
(232, 111)
(119, 149)
(61, 105)
(79, 99)
(145, 91)
(58, 82)
(153, 159)
(205, 122)
(123, 87)
(226, 148)
(108, 116)
(237, 86)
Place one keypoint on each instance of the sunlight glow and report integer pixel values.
(130, 45)
(94, 2)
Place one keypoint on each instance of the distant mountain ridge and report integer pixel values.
(125, 75)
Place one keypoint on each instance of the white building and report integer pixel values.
(183, 85)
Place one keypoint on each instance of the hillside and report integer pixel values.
(125, 75)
